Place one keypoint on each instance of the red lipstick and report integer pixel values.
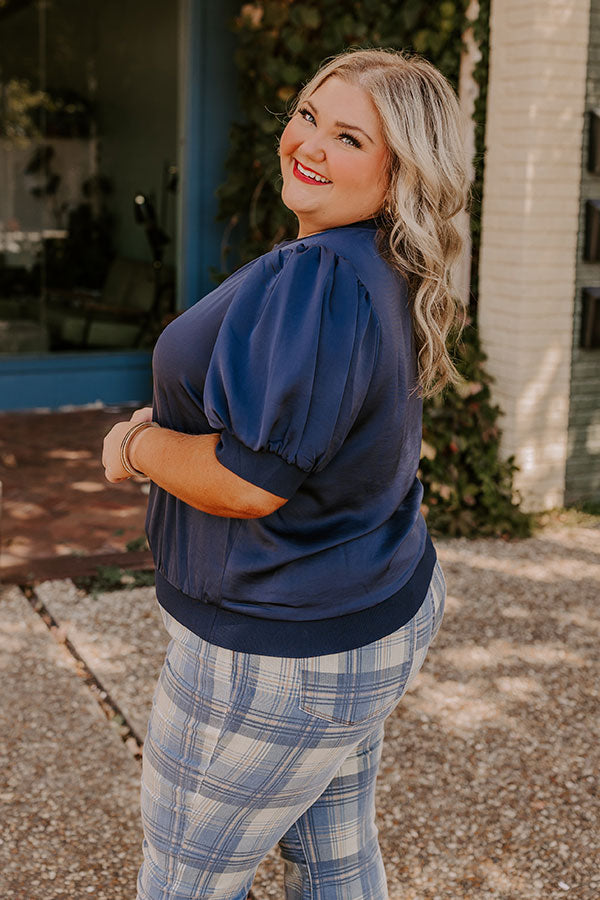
(305, 178)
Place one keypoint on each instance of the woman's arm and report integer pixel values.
(186, 466)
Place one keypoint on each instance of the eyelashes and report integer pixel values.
(304, 112)
(355, 141)
(344, 136)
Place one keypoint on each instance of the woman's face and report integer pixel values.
(333, 158)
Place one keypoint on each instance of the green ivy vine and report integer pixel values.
(280, 43)
(481, 35)
(467, 483)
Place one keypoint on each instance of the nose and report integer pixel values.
(313, 148)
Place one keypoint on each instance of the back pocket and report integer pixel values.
(358, 685)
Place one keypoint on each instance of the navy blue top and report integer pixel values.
(304, 361)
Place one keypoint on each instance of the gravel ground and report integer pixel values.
(488, 785)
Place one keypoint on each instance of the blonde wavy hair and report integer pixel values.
(424, 130)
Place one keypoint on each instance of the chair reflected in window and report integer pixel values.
(129, 312)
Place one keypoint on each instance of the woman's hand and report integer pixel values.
(141, 415)
(186, 466)
(111, 450)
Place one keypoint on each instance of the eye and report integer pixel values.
(306, 114)
(350, 139)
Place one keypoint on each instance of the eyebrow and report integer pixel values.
(343, 124)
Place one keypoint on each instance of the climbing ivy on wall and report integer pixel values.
(481, 34)
(467, 482)
(280, 43)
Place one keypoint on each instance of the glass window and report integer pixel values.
(88, 105)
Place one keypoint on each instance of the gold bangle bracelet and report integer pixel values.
(124, 452)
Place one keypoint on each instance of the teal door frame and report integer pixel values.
(54, 380)
(206, 107)
(209, 105)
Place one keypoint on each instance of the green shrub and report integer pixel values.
(467, 483)
(113, 578)
(280, 44)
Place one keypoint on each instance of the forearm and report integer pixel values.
(185, 465)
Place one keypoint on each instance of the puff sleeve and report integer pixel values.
(291, 366)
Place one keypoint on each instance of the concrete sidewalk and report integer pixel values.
(69, 792)
(488, 783)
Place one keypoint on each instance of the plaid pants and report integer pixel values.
(244, 751)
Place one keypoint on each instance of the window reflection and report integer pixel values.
(87, 123)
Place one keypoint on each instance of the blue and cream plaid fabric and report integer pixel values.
(244, 751)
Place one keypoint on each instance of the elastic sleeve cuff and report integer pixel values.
(260, 467)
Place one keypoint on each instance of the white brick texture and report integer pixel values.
(530, 221)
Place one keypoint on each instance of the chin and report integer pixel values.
(295, 204)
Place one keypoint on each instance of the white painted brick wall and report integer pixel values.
(530, 221)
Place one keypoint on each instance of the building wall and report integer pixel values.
(530, 220)
(209, 106)
(583, 454)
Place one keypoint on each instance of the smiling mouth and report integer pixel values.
(308, 175)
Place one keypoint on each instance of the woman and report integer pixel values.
(294, 571)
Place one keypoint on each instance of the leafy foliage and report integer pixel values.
(27, 113)
(113, 578)
(481, 35)
(280, 44)
(467, 484)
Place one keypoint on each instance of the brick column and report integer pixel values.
(535, 109)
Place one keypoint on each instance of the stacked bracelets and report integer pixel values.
(127, 441)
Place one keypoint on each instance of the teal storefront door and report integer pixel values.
(116, 130)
